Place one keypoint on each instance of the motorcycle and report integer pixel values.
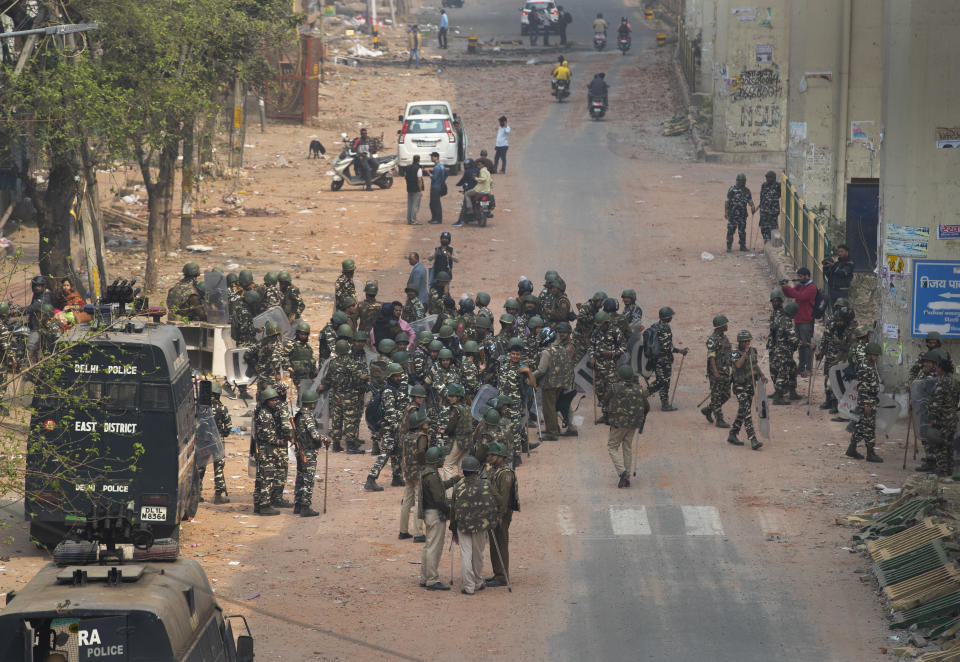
(483, 207)
(383, 177)
(563, 90)
(599, 41)
(623, 43)
(596, 108)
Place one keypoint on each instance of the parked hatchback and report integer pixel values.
(426, 133)
(546, 8)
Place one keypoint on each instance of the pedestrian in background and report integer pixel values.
(413, 43)
(563, 21)
(501, 146)
(735, 211)
(414, 177)
(418, 277)
(838, 273)
(805, 294)
(438, 188)
(444, 25)
(769, 205)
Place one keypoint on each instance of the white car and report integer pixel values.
(431, 126)
(546, 8)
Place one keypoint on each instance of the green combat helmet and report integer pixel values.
(434, 455)
(309, 397)
(483, 299)
(345, 331)
(629, 294)
(445, 332)
(874, 348)
(393, 369)
(268, 393)
(270, 278)
(400, 357)
(303, 327)
(387, 346)
(496, 448)
(455, 389)
(861, 331)
(445, 354)
(442, 277)
(342, 348)
(416, 419)
(776, 294)
(507, 318)
(348, 266)
(251, 297)
(491, 417)
(424, 338)
(601, 317)
(371, 288)
(191, 269)
(435, 346)
(471, 347)
(470, 465)
(720, 320)
(744, 336)
(245, 278)
(791, 309)
(232, 278)
(625, 372)
(284, 277)
(665, 313)
(418, 391)
(339, 318)
(271, 329)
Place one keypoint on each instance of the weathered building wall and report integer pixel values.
(751, 67)
(919, 182)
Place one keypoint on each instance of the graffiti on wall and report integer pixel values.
(760, 115)
(757, 84)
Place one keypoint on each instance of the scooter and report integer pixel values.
(383, 177)
(596, 108)
(623, 43)
(483, 207)
(599, 41)
(563, 90)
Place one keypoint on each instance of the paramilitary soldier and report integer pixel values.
(503, 482)
(271, 357)
(932, 341)
(292, 302)
(745, 374)
(344, 379)
(663, 362)
(241, 325)
(606, 345)
(769, 205)
(222, 418)
(735, 211)
(414, 443)
(459, 430)
(473, 513)
(834, 346)
(554, 374)
(782, 364)
(868, 395)
(271, 434)
(942, 413)
(270, 292)
(434, 511)
(368, 309)
(627, 409)
(309, 441)
(718, 372)
(300, 356)
(392, 402)
(185, 299)
(344, 290)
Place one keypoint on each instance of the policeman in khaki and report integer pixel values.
(434, 511)
(413, 452)
(627, 409)
(474, 512)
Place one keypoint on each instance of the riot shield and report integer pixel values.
(426, 324)
(239, 372)
(761, 408)
(845, 391)
(920, 392)
(321, 412)
(583, 376)
(209, 445)
(370, 355)
(480, 401)
(274, 314)
(888, 411)
(216, 303)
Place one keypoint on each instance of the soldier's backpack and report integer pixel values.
(373, 413)
(651, 343)
(819, 305)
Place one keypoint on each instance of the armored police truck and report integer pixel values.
(120, 612)
(112, 447)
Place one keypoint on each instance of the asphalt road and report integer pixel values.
(655, 573)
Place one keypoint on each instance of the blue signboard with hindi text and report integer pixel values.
(936, 298)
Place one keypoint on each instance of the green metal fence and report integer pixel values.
(688, 54)
(804, 237)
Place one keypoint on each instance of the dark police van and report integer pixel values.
(122, 612)
(112, 446)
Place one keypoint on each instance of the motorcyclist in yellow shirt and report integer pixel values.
(561, 72)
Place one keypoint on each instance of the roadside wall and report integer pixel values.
(919, 182)
(750, 74)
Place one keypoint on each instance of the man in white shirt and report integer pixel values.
(503, 142)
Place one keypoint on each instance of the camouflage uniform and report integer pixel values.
(301, 360)
(470, 377)
(737, 199)
(393, 403)
(222, 418)
(554, 375)
(343, 289)
(328, 339)
(185, 301)
(413, 445)
(663, 363)
(511, 382)
(344, 380)
(271, 296)
(438, 303)
(459, 431)
(503, 482)
(310, 440)
(626, 408)
(368, 311)
(769, 208)
(440, 376)
(292, 302)
(718, 349)
(782, 364)
(585, 319)
(916, 370)
(413, 310)
(467, 323)
(241, 327)
(743, 390)
(868, 392)
(473, 513)
(942, 413)
(236, 300)
(608, 339)
(555, 309)
(420, 364)
(630, 318)
(545, 300)
(49, 333)
(834, 346)
(272, 358)
(271, 435)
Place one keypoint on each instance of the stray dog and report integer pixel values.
(316, 149)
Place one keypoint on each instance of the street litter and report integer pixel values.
(706, 257)
(199, 248)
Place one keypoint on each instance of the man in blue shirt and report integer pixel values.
(438, 179)
(418, 276)
(444, 24)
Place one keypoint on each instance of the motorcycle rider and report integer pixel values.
(623, 30)
(363, 147)
(597, 89)
(469, 178)
(561, 72)
(484, 185)
(600, 25)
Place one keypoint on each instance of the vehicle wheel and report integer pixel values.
(385, 182)
(336, 184)
(194, 504)
(482, 221)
